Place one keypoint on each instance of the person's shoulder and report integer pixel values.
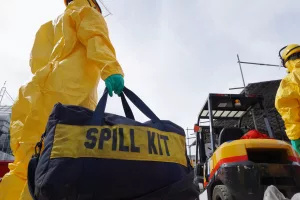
(291, 80)
(83, 12)
(293, 77)
(295, 72)
(47, 26)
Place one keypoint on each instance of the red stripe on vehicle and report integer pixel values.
(4, 167)
(294, 159)
(227, 160)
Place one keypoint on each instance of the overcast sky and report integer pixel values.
(173, 52)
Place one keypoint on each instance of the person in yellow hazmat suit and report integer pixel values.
(69, 56)
(288, 94)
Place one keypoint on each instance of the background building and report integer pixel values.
(5, 151)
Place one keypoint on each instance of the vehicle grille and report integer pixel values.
(271, 156)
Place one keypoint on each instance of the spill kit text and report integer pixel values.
(157, 143)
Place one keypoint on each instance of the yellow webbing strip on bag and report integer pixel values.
(118, 142)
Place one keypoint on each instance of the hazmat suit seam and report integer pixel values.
(72, 41)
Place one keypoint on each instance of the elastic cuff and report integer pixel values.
(107, 73)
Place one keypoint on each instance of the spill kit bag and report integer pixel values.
(87, 154)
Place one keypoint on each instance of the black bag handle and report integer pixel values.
(141, 105)
(98, 116)
(127, 110)
(126, 107)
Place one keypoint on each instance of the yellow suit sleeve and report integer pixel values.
(287, 104)
(93, 33)
(42, 47)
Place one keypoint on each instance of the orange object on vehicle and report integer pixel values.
(255, 134)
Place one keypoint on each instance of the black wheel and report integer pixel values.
(221, 193)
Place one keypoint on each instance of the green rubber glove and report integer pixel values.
(296, 145)
(114, 83)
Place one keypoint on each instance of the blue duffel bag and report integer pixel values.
(87, 154)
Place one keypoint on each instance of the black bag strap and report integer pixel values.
(127, 110)
(126, 107)
(98, 116)
(141, 105)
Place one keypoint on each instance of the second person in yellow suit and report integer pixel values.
(69, 56)
(288, 95)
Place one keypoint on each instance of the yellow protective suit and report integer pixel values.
(68, 57)
(287, 100)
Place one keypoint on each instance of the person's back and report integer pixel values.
(68, 58)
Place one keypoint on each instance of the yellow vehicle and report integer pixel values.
(231, 168)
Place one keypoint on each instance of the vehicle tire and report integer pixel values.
(221, 193)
